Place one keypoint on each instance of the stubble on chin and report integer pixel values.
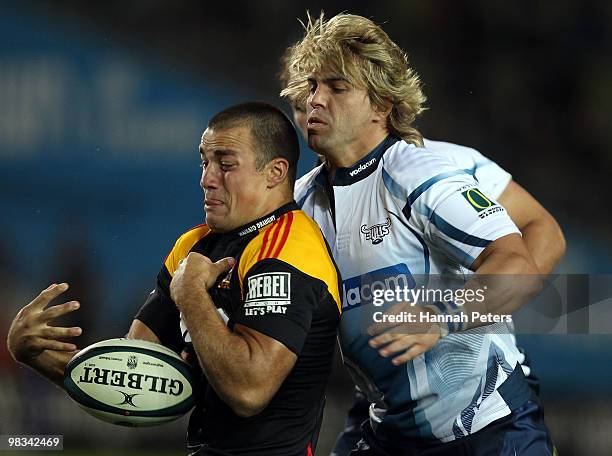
(318, 143)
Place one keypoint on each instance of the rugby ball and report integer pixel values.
(130, 382)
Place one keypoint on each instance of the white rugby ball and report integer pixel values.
(130, 382)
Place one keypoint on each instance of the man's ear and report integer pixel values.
(383, 114)
(277, 170)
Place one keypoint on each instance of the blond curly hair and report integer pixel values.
(357, 49)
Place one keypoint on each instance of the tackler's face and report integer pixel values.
(339, 114)
(233, 187)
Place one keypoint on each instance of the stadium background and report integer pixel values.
(102, 105)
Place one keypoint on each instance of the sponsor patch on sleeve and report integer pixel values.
(477, 199)
(269, 292)
(481, 203)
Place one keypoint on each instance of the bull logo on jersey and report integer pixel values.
(132, 362)
(376, 233)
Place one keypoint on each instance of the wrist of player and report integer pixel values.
(448, 317)
(186, 291)
(191, 298)
(442, 329)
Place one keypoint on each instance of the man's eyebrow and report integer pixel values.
(336, 79)
(224, 152)
(217, 152)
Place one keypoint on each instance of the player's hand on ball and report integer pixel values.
(196, 274)
(30, 333)
(403, 341)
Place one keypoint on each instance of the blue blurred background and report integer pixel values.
(102, 105)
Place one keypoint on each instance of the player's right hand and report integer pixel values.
(30, 333)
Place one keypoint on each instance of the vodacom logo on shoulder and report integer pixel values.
(362, 167)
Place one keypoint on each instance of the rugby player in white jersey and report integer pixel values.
(361, 101)
(540, 231)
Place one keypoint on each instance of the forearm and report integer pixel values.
(228, 360)
(51, 365)
(506, 283)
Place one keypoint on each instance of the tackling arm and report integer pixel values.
(504, 269)
(540, 249)
(508, 273)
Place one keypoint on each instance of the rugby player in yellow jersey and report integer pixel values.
(253, 295)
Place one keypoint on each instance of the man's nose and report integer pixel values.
(318, 98)
(209, 177)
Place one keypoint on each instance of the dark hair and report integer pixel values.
(272, 132)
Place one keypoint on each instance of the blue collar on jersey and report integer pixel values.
(360, 170)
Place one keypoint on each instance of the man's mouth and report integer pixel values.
(314, 121)
(211, 202)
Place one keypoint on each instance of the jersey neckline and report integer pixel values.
(361, 169)
(257, 224)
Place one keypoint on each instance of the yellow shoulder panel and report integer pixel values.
(183, 245)
(297, 240)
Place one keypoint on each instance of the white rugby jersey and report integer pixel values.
(400, 214)
(492, 179)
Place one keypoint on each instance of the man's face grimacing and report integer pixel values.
(234, 190)
(340, 115)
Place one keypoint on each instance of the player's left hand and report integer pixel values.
(412, 339)
(196, 274)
